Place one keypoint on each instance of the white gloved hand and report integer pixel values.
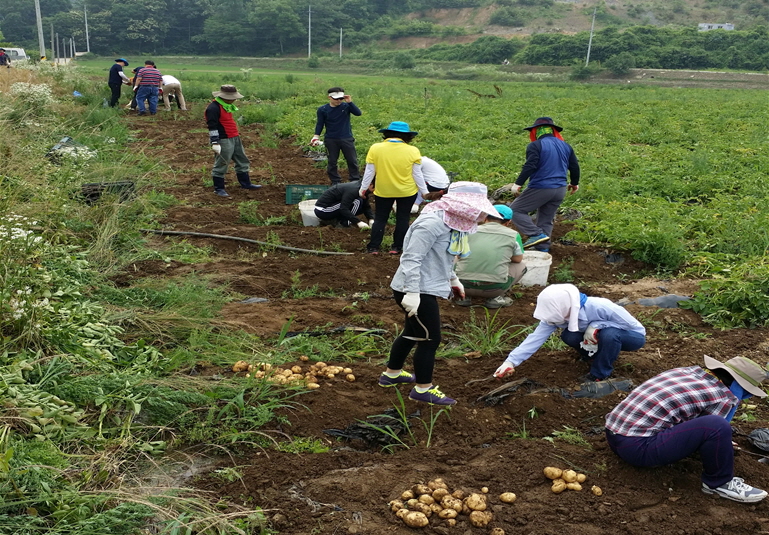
(315, 141)
(362, 225)
(515, 189)
(410, 303)
(370, 222)
(362, 193)
(216, 148)
(591, 336)
(457, 287)
(504, 370)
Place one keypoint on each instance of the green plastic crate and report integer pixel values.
(295, 193)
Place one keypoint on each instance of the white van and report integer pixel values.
(16, 54)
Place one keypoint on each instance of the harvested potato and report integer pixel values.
(581, 478)
(400, 513)
(485, 490)
(466, 510)
(449, 502)
(476, 502)
(551, 472)
(313, 386)
(421, 489)
(240, 366)
(451, 522)
(447, 513)
(596, 490)
(427, 498)
(437, 483)
(296, 369)
(559, 485)
(507, 497)
(350, 378)
(573, 486)
(396, 505)
(423, 508)
(436, 508)
(569, 476)
(438, 494)
(415, 519)
(407, 495)
(320, 365)
(497, 531)
(480, 519)
(304, 358)
(458, 494)
(347, 370)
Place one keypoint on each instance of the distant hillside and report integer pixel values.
(511, 18)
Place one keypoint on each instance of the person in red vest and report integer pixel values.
(225, 140)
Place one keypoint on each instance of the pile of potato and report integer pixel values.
(295, 374)
(435, 499)
(568, 479)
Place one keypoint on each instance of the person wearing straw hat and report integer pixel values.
(548, 160)
(225, 140)
(686, 410)
(398, 170)
(496, 263)
(596, 327)
(117, 78)
(434, 240)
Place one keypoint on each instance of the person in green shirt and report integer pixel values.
(495, 262)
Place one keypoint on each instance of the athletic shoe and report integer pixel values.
(433, 396)
(466, 302)
(534, 240)
(221, 193)
(736, 490)
(372, 250)
(251, 186)
(395, 250)
(403, 378)
(498, 302)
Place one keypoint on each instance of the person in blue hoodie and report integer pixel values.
(548, 160)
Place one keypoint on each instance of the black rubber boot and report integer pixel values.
(219, 186)
(245, 181)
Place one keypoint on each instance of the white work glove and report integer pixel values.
(315, 141)
(216, 148)
(410, 303)
(504, 370)
(362, 225)
(370, 222)
(515, 189)
(362, 193)
(457, 287)
(591, 336)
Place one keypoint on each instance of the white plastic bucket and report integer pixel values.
(307, 209)
(537, 268)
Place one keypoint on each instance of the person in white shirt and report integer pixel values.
(172, 86)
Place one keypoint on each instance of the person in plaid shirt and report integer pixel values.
(687, 410)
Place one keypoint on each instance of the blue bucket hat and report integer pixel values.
(398, 126)
(123, 60)
(505, 212)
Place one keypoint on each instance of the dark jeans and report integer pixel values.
(424, 357)
(115, 98)
(710, 435)
(382, 213)
(610, 342)
(347, 148)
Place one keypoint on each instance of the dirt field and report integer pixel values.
(346, 491)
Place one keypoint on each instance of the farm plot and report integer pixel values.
(344, 485)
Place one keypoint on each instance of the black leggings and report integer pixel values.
(424, 357)
(382, 213)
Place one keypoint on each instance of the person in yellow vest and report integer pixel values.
(397, 166)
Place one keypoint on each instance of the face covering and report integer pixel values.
(227, 107)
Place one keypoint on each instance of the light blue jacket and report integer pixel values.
(597, 312)
(426, 266)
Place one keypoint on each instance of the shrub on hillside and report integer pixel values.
(621, 63)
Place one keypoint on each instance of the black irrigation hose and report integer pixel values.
(236, 238)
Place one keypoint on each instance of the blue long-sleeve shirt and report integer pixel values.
(597, 312)
(336, 119)
(547, 161)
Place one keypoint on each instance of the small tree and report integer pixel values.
(620, 64)
(404, 60)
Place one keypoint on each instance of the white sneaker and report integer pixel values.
(736, 490)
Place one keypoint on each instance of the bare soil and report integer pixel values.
(347, 489)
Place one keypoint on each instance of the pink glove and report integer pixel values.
(504, 370)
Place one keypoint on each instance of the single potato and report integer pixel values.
(596, 490)
(551, 472)
(476, 502)
(415, 519)
(507, 497)
(573, 486)
(497, 531)
(559, 485)
(581, 478)
(569, 476)
(480, 519)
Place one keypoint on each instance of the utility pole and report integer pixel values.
(58, 48)
(309, 31)
(340, 43)
(40, 38)
(590, 41)
(87, 40)
(53, 49)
